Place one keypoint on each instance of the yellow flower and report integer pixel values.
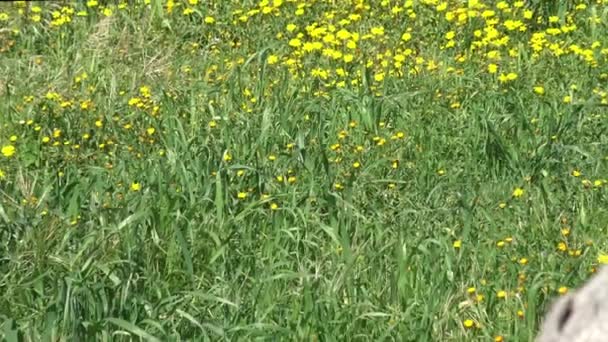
(518, 192)
(272, 59)
(274, 206)
(295, 42)
(2, 175)
(356, 165)
(562, 290)
(567, 99)
(492, 68)
(602, 259)
(209, 20)
(501, 294)
(8, 150)
(540, 90)
(576, 173)
(241, 195)
(457, 244)
(150, 130)
(135, 186)
(468, 323)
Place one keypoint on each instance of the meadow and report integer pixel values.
(322, 170)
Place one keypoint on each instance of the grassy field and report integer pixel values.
(299, 170)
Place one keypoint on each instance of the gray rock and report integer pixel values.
(581, 316)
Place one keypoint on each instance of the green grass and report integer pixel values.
(203, 176)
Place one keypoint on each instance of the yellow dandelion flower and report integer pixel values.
(8, 151)
(518, 192)
(135, 186)
(540, 90)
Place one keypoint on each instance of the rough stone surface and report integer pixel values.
(581, 316)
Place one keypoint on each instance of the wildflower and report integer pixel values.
(227, 157)
(468, 323)
(209, 20)
(567, 99)
(2, 174)
(8, 150)
(562, 290)
(274, 206)
(523, 261)
(518, 192)
(471, 290)
(135, 186)
(272, 59)
(150, 130)
(602, 259)
(457, 244)
(492, 68)
(241, 195)
(576, 173)
(540, 90)
(295, 42)
(520, 314)
(501, 294)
